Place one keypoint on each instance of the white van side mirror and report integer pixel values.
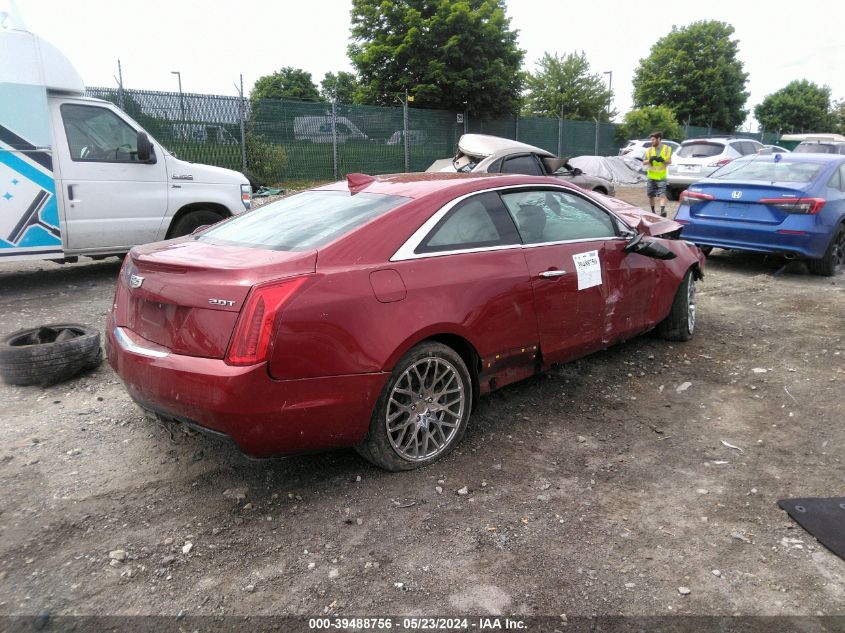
(145, 149)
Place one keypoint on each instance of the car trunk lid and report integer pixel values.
(186, 295)
(740, 201)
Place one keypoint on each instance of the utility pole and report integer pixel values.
(120, 85)
(610, 90)
(181, 95)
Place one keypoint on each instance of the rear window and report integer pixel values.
(701, 150)
(303, 221)
(780, 171)
(820, 148)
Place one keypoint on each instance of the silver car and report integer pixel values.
(699, 157)
(636, 148)
(480, 153)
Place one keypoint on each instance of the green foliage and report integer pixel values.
(340, 87)
(565, 84)
(837, 114)
(449, 54)
(800, 106)
(695, 71)
(287, 83)
(266, 163)
(641, 122)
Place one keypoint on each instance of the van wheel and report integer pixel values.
(49, 354)
(422, 411)
(191, 221)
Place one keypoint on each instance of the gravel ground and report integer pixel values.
(604, 487)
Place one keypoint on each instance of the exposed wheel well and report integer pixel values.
(197, 206)
(600, 190)
(468, 354)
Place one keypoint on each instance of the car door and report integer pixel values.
(468, 268)
(111, 199)
(588, 293)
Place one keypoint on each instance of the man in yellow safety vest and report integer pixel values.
(656, 159)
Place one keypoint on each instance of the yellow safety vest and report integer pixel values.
(655, 172)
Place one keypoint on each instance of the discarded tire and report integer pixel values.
(49, 354)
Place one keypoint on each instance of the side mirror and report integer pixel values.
(648, 248)
(145, 149)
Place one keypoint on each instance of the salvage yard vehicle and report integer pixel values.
(699, 157)
(483, 154)
(374, 312)
(78, 176)
(788, 204)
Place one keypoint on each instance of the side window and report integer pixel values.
(842, 177)
(525, 164)
(98, 135)
(477, 222)
(557, 216)
(495, 167)
(835, 181)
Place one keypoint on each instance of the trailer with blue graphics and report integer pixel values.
(80, 177)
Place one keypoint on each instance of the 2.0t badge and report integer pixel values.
(221, 302)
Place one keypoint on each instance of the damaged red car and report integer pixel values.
(374, 312)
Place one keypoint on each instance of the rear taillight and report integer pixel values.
(719, 163)
(254, 329)
(809, 206)
(691, 197)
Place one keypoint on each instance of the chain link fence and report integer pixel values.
(275, 140)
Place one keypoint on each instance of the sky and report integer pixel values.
(212, 42)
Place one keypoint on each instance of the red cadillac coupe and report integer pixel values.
(374, 312)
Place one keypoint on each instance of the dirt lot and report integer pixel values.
(600, 488)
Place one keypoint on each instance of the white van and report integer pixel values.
(318, 129)
(80, 177)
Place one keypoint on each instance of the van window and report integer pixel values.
(97, 134)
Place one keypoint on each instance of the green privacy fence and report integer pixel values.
(275, 140)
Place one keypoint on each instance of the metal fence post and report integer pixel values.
(560, 133)
(334, 138)
(596, 151)
(242, 117)
(405, 133)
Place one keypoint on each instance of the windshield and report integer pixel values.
(700, 150)
(780, 171)
(303, 221)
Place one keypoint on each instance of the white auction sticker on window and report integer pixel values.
(589, 269)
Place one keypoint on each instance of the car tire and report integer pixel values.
(409, 427)
(705, 249)
(191, 221)
(673, 194)
(834, 258)
(49, 354)
(679, 325)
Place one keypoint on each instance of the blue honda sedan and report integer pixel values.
(788, 204)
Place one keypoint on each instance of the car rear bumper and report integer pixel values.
(265, 417)
(746, 236)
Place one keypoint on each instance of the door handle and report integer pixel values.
(551, 274)
(70, 192)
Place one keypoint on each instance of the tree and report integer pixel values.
(800, 106)
(287, 83)
(340, 87)
(695, 71)
(449, 54)
(565, 84)
(837, 113)
(642, 122)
